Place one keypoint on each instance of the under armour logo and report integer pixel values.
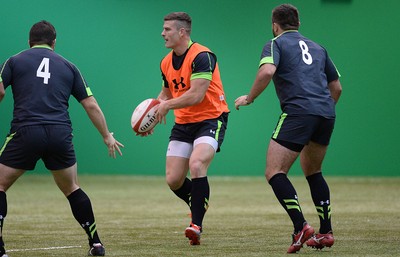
(212, 131)
(323, 202)
(176, 86)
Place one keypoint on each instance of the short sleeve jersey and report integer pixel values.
(303, 71)
(42, 82)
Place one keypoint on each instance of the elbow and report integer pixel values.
(339, 92)
(335, 94)
(336, 89)
(2, 91)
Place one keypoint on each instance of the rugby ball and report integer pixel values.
(143, 117)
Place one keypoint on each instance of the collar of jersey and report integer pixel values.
(190, 43)
(286, 31)
(42, 46)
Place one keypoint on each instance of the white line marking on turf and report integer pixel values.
(44, 248)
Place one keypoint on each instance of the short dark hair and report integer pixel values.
(42, 32)
(287, 16)
(183, 20)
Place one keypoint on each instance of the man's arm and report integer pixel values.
(97, 117)
(2, 91)
(263, 77)
(336, 89)
(196, 93)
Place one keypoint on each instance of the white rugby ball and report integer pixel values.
(143, 117)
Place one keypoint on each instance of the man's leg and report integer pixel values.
(311, 159)
(176, 172)
(200, 160)
(203, 154)
(279, 161)
(8, 176)
(66, 180)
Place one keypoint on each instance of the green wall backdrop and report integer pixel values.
(117, 46)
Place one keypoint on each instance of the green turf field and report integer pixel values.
(139, 216)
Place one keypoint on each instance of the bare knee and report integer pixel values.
(67, 187)
(268, 175)
(197, 169)
(173, 180)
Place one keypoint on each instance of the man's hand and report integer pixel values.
(241, 101)
(112, 145)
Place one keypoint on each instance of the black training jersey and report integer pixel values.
(303, 71)
(42, 82)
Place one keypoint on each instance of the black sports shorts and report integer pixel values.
(295, 131)
(214, 128)
(51, 143)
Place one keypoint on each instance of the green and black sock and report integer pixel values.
(184, 192)
(287, 196)
(3, 214)
(82, 210)
(199, 202)
(321, 198)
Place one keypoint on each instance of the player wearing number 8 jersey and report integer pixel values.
(300, 74)
(42, 83)
(307, 85)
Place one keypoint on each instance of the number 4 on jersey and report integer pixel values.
(43, 70)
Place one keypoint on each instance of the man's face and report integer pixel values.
(170, 34)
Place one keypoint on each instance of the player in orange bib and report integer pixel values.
(192, 87)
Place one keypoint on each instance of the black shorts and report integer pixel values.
(51, 143)
(293, 131)
(189, 132)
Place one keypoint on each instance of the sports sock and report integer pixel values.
(184, 191)
(287, 196)
(321, 198)
(3, 214)
(82, 210)
(199, 202)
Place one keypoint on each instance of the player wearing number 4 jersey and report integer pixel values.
(42, 83)
(308, 88)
